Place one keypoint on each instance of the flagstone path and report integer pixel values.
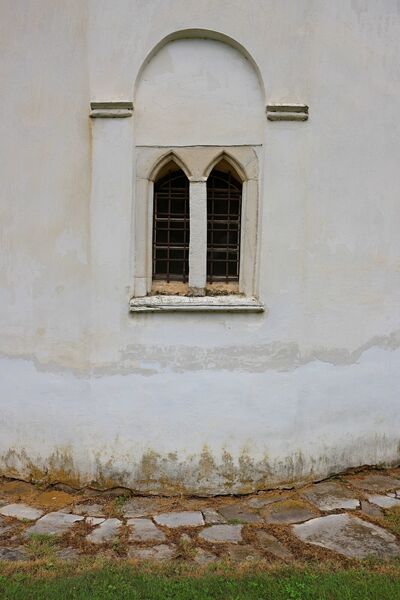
(350, 517)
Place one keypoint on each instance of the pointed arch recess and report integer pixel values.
(237, 167)
(163, 161)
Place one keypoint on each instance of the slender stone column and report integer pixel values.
(198, 238)
(110, 225)
(142, 233)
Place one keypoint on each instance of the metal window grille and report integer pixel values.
(224, 203)
(171, 228)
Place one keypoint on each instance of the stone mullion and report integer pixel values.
(198, 237)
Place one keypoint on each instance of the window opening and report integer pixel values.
(171, 227)
(224, 204)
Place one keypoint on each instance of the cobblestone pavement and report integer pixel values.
(351, 517)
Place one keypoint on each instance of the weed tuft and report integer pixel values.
(42, 545)
(117, 507)
(391, 520)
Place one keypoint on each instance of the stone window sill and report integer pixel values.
(164, 303)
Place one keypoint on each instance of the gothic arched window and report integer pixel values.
(171, 226)
(224, 207)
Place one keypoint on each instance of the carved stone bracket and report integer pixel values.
(287, 112)
(111, 110)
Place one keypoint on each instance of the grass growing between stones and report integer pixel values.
(392, 520)
(41, 545)
(116, 507)
(235, 522)
(106, 581)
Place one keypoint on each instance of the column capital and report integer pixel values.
(110, 110)
(287, 112)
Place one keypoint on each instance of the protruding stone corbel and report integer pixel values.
(111, 110)
(287, 112)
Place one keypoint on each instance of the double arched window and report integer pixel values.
(195, 224)
(171, 225)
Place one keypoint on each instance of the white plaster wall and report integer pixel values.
(207, 431)
(90, 393)
(198, 91)
(44, 181)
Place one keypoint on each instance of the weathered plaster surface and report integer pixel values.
(249, 431)
(204, 403)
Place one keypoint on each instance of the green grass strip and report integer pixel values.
(121, 583)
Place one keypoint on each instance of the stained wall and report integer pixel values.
(91, 394)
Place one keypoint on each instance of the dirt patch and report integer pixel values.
(18, 491)
(53, 500)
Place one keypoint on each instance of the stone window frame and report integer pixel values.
(197, 163)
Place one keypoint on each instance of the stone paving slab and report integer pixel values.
(331, 495)
(204, 557)
(21, 512)
(262, 502)
(140, 507)
(374, 482)
(287, 512)
(212, 517)
(382, 501)
(89, 510)
(239, 513)
(54, 523)
(144, 530)
(243, 553)
(395, 494)
(160, 552)
(215, 521)
(348, 535)
(222, 534)
(180, 519)
(272, 545)
(95, 520)
(12, 554)
(107, 531)
(371, 510)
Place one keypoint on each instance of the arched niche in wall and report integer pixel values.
(198, 91)
(198, 98)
